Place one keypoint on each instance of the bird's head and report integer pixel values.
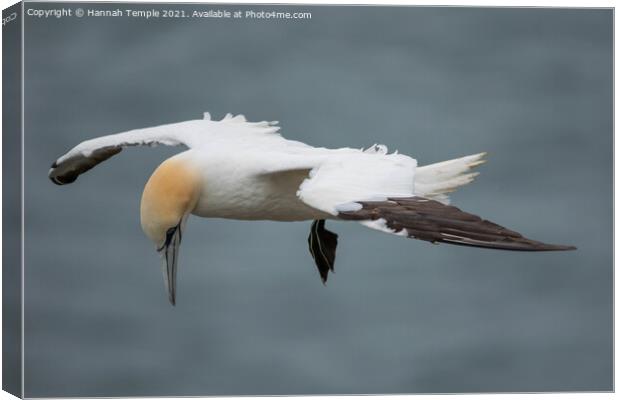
(169, 196)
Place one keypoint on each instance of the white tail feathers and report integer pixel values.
(436, 180)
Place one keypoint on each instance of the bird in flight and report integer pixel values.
(244, 170)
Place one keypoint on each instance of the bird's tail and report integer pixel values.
(435, 181)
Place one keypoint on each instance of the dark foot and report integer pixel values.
(322, 244)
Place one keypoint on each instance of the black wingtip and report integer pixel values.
(55, 181)
(61, 178)
(58, 182)
(539, 246)
(562, 248)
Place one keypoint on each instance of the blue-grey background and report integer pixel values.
(531, 86)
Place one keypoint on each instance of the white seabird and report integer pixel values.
(246, 170)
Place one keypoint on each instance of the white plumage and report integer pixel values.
(252, 172)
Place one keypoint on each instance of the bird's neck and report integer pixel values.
(170, 194)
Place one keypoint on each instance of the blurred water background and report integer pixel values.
(533, 87)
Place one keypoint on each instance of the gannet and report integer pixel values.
(247, 171)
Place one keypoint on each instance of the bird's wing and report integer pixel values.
(233, 130)
(352, 176)
(377, 190)
(425, 219)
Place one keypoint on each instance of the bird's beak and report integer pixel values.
(170, 254)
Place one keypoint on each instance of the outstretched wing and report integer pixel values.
(430, 220)
(194, 133)
(89, 153)
(349, 177)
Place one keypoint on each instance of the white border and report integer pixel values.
(476, 3)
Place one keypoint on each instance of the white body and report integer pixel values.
(232, 189)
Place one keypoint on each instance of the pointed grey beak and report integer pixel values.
(170, 254)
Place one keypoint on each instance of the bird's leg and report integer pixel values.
(322, 245)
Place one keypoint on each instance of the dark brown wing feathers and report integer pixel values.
(433, 221)
(68, 171)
